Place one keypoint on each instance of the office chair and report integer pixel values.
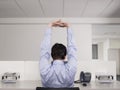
(44, 88)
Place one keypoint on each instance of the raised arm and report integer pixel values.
(72, 60)
(45, 50)
(70, 43)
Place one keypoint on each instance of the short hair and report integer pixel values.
(58, 51)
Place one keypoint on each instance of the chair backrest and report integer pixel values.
(44, 88)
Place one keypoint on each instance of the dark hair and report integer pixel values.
(58, 51)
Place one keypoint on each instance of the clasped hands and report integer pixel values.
(59, 23)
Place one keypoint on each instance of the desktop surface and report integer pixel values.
(31, 85)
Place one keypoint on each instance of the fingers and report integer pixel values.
(59, 23)
(64, 24)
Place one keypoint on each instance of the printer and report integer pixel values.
(9, 77)
(104, 78)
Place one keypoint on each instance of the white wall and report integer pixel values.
(29, 70)
(12, 66)
(20, 41)
(83, 37)
(115, 43)
(100, 51)
(96, 66)
(114, 55)
(109, 35)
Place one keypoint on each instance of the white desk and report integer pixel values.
(97, 86)
(31, 85)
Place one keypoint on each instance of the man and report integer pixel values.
(58, 73)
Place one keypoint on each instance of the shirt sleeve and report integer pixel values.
(72, 59)
(45, 51)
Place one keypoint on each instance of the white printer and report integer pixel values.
(104, 78)
(10, 77)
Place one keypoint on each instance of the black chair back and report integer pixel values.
(44, 88)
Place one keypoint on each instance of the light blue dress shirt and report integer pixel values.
(58, 73)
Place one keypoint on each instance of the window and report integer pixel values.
(94, 51)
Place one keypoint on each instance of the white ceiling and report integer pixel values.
(59, 8)
(64, 8)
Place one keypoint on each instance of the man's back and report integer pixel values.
(58, 73)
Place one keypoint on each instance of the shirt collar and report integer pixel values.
(58, 62)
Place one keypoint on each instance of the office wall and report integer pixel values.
(29, 70)
(114, 55)
(109, 35)
(115, 43)
(83, 37)
(20, 43)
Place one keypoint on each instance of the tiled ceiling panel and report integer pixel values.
(9, 8)
(112, 10)
(32, 8)
(52, 8)
(59, 8)
(95, 7)
(74, 7)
